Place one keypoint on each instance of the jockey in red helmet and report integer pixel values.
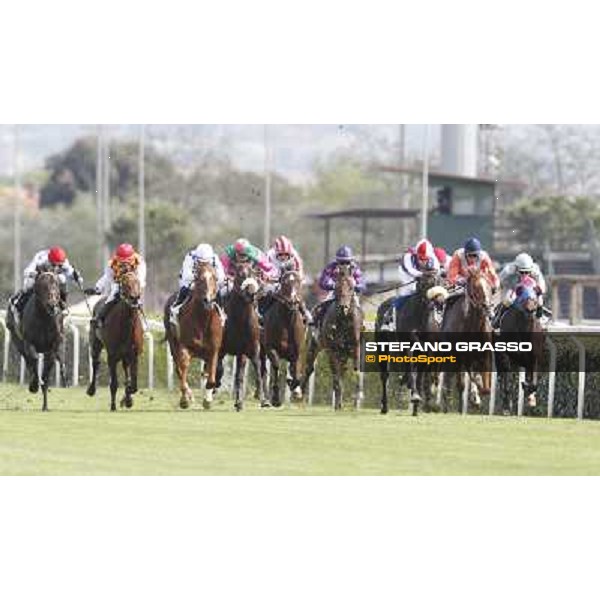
(52, 259)
(123, 260)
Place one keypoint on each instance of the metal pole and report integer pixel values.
(106, 192)
(17, 207)
(100, 195)
(267, 231)
(142, 192)
(425, 183)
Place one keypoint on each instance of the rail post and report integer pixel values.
(551, 376)
(150, 338)
(581, 378)
(76, 352)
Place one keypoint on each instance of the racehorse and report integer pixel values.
(339, 336)
(520, 323)
(200, 334)
(469, 312)
(419, 316)
(283, 335)
(41, 332)
(241, 337)
(122, 335)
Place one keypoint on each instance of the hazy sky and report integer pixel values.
(295, 147)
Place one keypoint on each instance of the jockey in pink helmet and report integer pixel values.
(285, 257)
(243, 251)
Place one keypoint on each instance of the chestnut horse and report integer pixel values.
(339, 336)
(283, 335)
(122, 334)
(241, 337)
(470, 312)
(200, 334)
(41, 332)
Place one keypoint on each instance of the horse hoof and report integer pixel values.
(91, 391)
(128, 402)
(113, 409)
(184, 404)
(384, 411)
(238, 407)
(206, 405)
(34, 387)
(267, 405)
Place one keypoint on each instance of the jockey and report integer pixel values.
(413, 264)
(124, 259)
(443, 259)
(54, 259)
(344, 256)
(285, 257)
(243, 251)
(521, 273)
(472, 256)
(201, 254)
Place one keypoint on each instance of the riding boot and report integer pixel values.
(63, 297)
(182, 296)
(103, 313)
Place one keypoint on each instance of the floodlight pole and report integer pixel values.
(17, 207)
(267, 147)
(425, 183)
(142, 192)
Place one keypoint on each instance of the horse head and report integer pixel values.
(344, 288)
(205, 284)
(479, 291)
(289, 285)
(245, 282)
(47, 292)
(130, 288)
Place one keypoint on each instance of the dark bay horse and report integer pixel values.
(419, 316)
(284, 333)
(520, 323)
(200, 334)
(339, 336)
(41, 332)
(469, 312)
(122, 335)
(241, 337)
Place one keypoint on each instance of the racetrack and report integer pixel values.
(80, 437)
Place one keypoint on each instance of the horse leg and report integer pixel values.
(311, 355)
(530, 387)
(334, 363)
(212, 366)
(255, 360)
(275, 363)
(240, 367)
(359, 394)
(95, 350)
(31, 361)
(114, 384)
(46, 372)
(415, 397)
(384, 376)
(130, 388)
(182, 363)
(295, 378)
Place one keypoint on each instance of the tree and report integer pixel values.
(74, 171)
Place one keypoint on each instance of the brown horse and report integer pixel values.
(339, 336)
(241, 337)
(41, 332)
(122, 335)
(200, 334)
(283, 335)
(469, 312)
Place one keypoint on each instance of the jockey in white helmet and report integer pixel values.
(203, 253)
(512, 275)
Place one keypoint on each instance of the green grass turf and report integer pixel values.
(79, 436)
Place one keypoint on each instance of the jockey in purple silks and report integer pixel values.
(344, 256)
